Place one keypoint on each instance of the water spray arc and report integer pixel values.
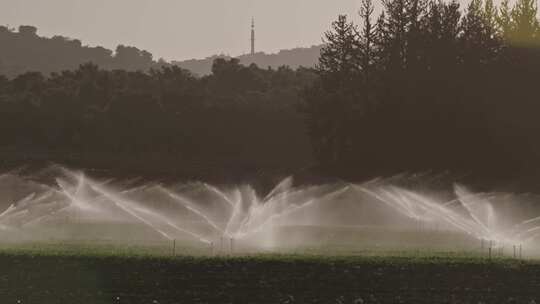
(231, 219)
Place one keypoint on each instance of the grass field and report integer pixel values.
(90, 273)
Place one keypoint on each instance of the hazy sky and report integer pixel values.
(181, 29)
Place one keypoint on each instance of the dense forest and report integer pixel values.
(426, 85)
(430, 86)
(239, 119)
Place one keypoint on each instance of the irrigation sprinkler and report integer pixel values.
(221, 244)
(464, 219)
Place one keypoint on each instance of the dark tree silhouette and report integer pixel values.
(445, 89)
(427, 85)
(222, 124)
(332, 99)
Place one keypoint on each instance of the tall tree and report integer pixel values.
(339, 60)
(366, 41)
(504, 20)
(525, 27)
(332, 102)
(392, 27)
(478, 47)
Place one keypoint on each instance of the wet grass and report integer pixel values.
(88, 273)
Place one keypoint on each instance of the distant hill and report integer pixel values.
(294, 58)
(23, 50)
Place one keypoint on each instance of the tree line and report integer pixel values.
(427, 85)
(294, 58)
(234, 119)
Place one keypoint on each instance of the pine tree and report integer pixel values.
(504, 20)
(392, 27)
(525, 27)
(415, 11)
(331, 103)
(441, 30)
(478, 47)
(339, 60)
(490, 18)
(366, 41)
